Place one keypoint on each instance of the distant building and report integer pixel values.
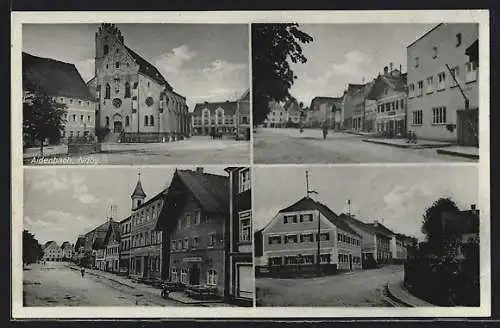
(436, 106)
(390, 95)
(68, 250)
(52, 252)
(353, 104)
(291, 237)
(125, 244)
(64, 84)
(112, 242)
(229, 117)
(194, 219)
(146, 253)
(240, 267)
(326, 110)
(277, 116)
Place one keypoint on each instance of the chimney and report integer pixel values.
(473, 207)
(400, 68)
(386, 70)
(199, 170)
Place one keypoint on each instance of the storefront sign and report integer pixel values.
(191, 259)
(245, 214)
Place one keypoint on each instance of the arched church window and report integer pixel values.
(127, 120)
(108, 91)
(151, 120)
(146, 120)
(117, 64)
(127, 89)
(106, 49)
(107, 120)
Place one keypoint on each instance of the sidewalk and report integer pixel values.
(397, 291)
(462, 151)
(145, 289)
(402, 143)
(48, 151)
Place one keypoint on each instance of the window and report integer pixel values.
(306, 218)
(146, 118)
(127, 89)
(417, 117)
(127, 120)
(306, 238)
(245, 227)
(244, 179)
(402, 104)
(278, 260)
(324, 236)
(274, 240)
(339, 237)
(81, 118)
(455, 72)
(196, 242)
(441, 81)
(74, 117)
(470, 72)
(290, 219)
(117, 64)
(106, 49)
(290, 239)
(184, 276)
(439, 115)
(430, 84)
(197, 217)
(179, 244)
(151, 120)
(211, 240)
(173, 276)
(211, 277)
(187, 220)
(148, 84)
(434, 52)
(411, 90)
(324, 258)
(420, 88)
(416, 61)
(88, 118)
(185, 245)
(458, 39)
(107, 95)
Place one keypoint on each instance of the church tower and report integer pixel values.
(138, 195)
(105, 39)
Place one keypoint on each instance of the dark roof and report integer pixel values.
(148, 69)
(100, 234)
(382, 229)
(435, 27)
(127, 218)
(462, 222)
(368, 227)
(351, 88)
(138, 191)
(211, 190)
(48, 243)
(245, 96)
(229, 107)
(65, 244)
(113, 227)
(329, 100)
(307, 203)
(395, 82)
(55, 78)
(473, 51)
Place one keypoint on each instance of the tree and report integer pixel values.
(42, 118)
(273, 46)
(32, 250)
(432, 225)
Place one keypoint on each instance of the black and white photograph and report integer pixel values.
(367, 236)
(365, 93)
(135, 94)
(137, 237)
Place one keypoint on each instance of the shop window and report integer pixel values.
(212, 277)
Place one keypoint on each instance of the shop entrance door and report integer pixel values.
(194, 275)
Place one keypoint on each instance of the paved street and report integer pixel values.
(195, 150)
(273, 146)
(359, 288)
(55, 284)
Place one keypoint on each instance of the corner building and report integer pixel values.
(135, 101)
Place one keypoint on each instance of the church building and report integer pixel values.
(135, 101)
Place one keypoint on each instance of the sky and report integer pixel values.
(61, 203)
(206, 62)
(346, 53)
(397, 196)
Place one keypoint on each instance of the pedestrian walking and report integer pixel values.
(325, 131)
(82, 271)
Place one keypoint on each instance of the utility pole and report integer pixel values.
(349, 207)
(318, 239)
(466, 100)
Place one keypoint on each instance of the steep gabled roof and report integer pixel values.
(395, 82)
(148, 69)
(211, 190)
(47, 244)
(54, 77)
(114, 227)
(229, 107)
(138, 191)
(307, 204)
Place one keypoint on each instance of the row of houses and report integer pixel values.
(52, 252)
(197, 231)
(301, 232)
(437, 98)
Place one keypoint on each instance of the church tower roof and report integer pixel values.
(138, 191)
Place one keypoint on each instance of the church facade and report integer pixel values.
(135, 101)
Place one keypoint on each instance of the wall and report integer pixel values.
(444, 38)
(79, 116)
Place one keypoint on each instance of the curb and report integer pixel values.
(455, 153)
(406, 303)
(423, 146)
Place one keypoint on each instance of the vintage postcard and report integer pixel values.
(277, 164)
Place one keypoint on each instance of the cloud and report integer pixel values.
(172, 62)
(263, 216)
(353, 64)
(86, 68)
(49, 181)
(36, 223)
(219, 69)
(62, 216)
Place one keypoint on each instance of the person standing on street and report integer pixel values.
(82, 271)
(325, 130)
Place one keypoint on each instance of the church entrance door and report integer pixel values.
(117, 126)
